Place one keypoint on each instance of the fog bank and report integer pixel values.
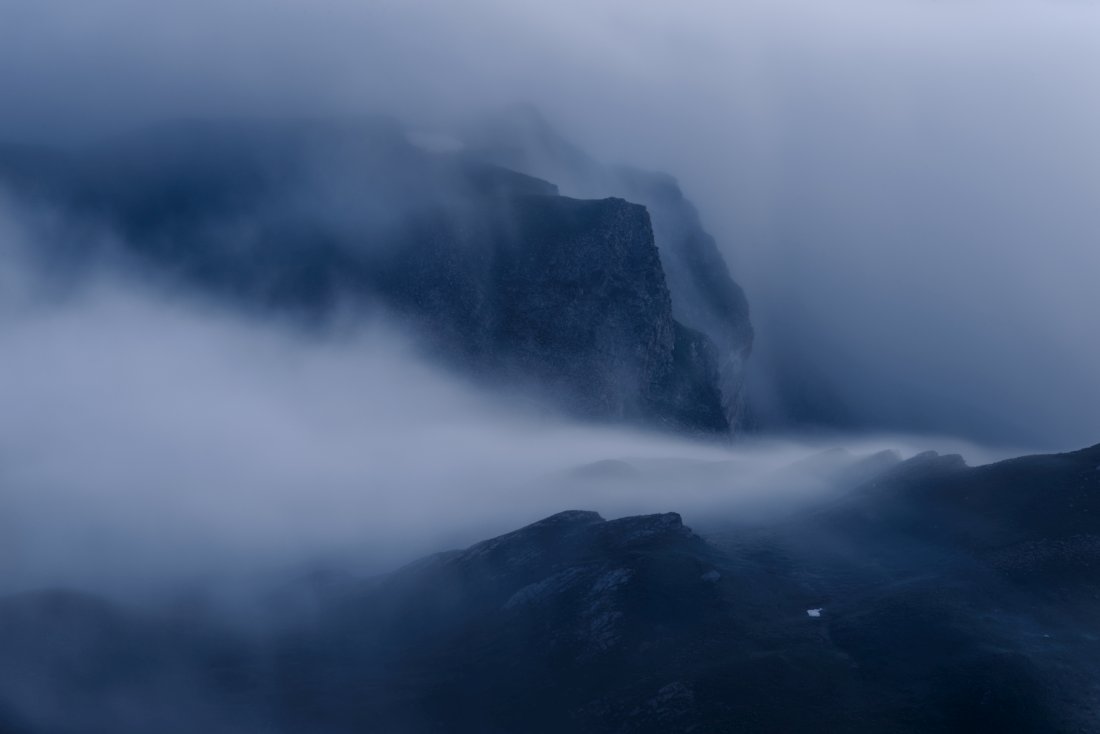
(906, 190)
(153, 443)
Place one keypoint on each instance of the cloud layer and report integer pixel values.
(906, 190)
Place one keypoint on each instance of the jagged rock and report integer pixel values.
(931, 597)
(705, 298)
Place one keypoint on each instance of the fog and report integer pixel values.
(205, 467)
(906, 190)
(153, 444)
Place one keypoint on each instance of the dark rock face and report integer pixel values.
(704, 296)
(972, 595)
(932, 597)
(506, 278)
(568, 292)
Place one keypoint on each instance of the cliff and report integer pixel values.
(505, 279)
(705, 297)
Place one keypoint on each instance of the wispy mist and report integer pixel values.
(906, 191)
(152, 443)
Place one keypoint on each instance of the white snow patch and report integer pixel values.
(814, 612)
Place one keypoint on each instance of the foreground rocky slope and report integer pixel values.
(928, 597)
(503, 277)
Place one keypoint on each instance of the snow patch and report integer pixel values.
(814, 612)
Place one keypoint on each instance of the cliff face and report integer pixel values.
(705, 297)
(507, 279)
(568, 294)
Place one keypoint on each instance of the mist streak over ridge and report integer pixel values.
(155, 442)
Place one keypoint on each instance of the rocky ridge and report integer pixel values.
(930, 596)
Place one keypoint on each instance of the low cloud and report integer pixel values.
(906, 190)
(151, 444)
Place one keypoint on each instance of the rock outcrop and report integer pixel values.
(704, 296)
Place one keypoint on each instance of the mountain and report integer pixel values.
(928, 596)
(704, 295)
(502, 277)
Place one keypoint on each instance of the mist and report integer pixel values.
(157, 443)
(915, 231)
(905, 189)
(218, 452)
